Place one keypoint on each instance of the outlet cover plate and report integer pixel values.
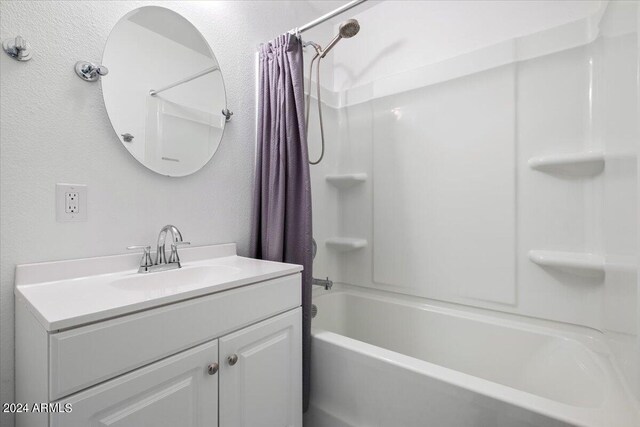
(79, 211)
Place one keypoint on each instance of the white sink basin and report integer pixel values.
(66, 294)
(176, 279)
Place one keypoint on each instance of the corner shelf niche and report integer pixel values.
(575, 164)
(345, 244)
(576, 262)
(346, 180)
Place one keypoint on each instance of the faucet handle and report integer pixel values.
(145, 248)
(174, 251)
(146, 256)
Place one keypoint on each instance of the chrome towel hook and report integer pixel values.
(17, 48)
(90, 72)
(227, 114)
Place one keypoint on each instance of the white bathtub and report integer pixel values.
(389, 361)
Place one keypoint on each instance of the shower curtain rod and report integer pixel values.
(153, 92)
(327, 16)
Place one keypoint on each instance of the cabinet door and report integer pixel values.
(178, 391)
(261, 374)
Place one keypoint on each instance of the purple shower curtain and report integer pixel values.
(282, 198)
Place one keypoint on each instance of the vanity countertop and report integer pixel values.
(66, 294)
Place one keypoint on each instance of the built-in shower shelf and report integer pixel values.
(344, 244)
(346, 180)
(586, 163)
(572, 261)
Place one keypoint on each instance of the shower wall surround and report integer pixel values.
(451, 208)
(55, 129)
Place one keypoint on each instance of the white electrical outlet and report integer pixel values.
(71, 202)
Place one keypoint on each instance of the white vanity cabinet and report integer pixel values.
(256, 383)
(228, 356)
(177, 391)
(261, 374)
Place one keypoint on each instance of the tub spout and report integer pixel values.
(325, 283)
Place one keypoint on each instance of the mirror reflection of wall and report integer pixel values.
(176, 131)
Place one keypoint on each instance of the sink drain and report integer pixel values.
(314, 310)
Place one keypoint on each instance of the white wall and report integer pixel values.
(397, 36)
(618, 126)
(451, 208)
(55, 129)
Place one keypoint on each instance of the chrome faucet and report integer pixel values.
(161, 263)
(176, 240)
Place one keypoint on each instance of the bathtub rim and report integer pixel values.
(593, 338)
(617, 392)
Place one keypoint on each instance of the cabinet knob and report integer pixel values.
(212, 368)
(233, 359)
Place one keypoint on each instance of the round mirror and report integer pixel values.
(164, 92)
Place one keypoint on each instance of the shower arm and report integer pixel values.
(331, 44)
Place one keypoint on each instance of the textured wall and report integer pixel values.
(55, 129)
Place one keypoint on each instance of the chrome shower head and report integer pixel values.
(347, 29)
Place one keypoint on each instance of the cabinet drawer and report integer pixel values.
(91, 354)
